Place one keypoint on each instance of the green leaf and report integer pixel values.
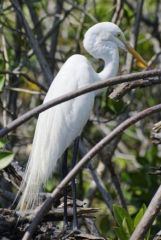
(120, 213)
(2, 143)
(148, 235)
(139, 215)
(2, 80)
(5, 159)
(115, 106)
(151, 154)
(121, 234)
(127, 227)
(123, 219)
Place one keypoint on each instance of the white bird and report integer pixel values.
(58, 126)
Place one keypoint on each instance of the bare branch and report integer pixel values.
(81, 91)
(123, 89)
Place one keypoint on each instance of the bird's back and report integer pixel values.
(58, 126)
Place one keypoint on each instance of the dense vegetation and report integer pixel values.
(36, 39)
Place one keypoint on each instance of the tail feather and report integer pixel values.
(39, 168)
(30, 188)
(43, 158)
(50, 141)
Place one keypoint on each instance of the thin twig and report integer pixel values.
(55, 33)
(121, 128)
(97, 179)
(34, 43)
(109, 165)
(37, 25)
(135, 33)
(25, 75)
(118, 11)
(24, 90)
(115, 178)
(49, 33)
(6, 83)
(101, 187)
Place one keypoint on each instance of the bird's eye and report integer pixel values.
(118, 34)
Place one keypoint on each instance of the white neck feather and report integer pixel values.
(111, 67)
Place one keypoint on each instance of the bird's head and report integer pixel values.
(103, 37)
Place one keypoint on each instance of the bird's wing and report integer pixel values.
(58, 126)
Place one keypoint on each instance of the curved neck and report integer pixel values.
(111, 67)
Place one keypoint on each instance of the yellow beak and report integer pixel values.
(139, 60)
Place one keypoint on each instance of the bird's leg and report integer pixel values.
(64, 173)
(74, 161)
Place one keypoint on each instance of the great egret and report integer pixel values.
(58, 126)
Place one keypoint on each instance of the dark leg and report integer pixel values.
(74, 161)
(64, 173)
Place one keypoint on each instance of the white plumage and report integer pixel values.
(58, 126)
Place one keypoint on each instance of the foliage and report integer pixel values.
(5, 159)
(58, 31)
(126, 224)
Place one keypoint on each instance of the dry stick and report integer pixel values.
(110, 82)
(98, 177)
(81, 9)
(34, 43)
(23, 74)
(37, 27)
(110, 165)
(101, 187)
(148, 218)
(125, 87)
(116, 181)
(135, 32)
(55, 34)
(14, 80)
(80, 28)
(146, 19)
(118, 11)
(23, 90)
(119, 93)
(154, 59)
(122, 127)
(49, 33)
(6, 82)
